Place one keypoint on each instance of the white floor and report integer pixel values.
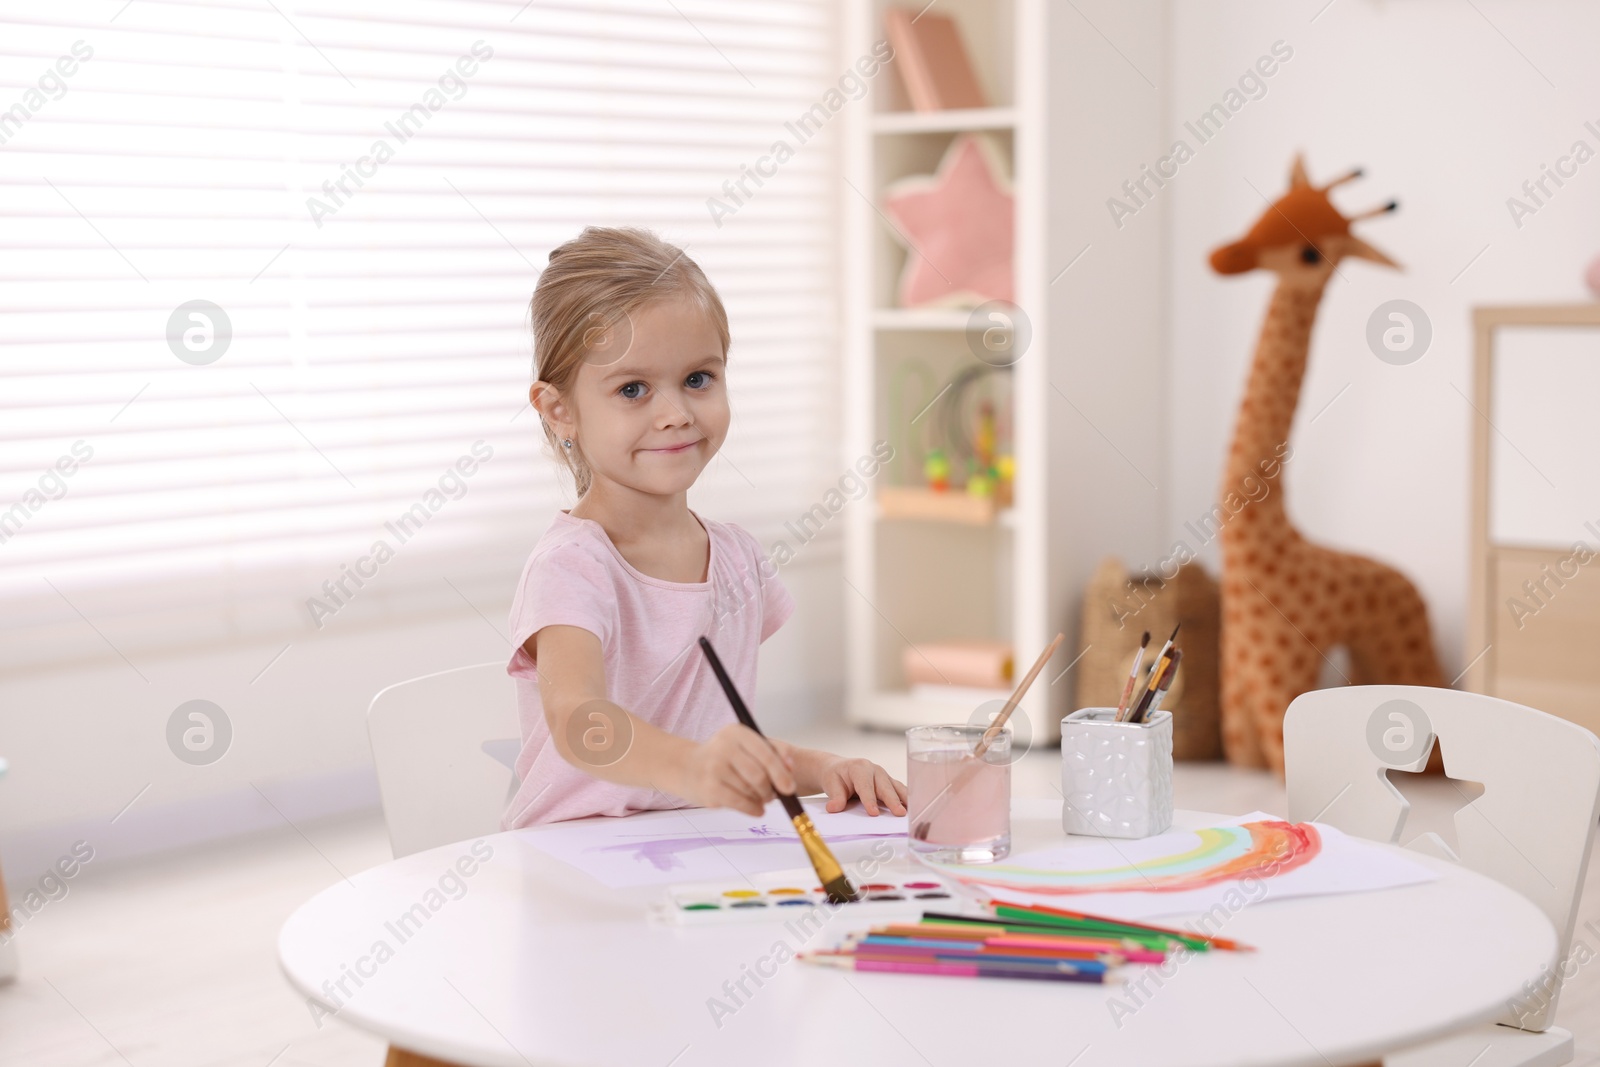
(171, 962)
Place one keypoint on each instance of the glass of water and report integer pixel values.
(965, 802)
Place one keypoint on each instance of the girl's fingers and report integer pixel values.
(887, 792)
(866, 787)
(837, 785)
(737, 796)
(752, 774)
(777, 772)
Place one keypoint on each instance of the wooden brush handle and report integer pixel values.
(791, 805)
(1016, 698)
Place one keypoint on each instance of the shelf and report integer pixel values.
(954, 505)
(953, 121)
(952, 319)
(898, 709)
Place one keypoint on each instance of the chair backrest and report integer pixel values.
(1531, 829)
(444, 745)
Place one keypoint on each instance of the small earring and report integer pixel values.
(566, 442)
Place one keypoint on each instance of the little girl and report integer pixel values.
(620, 711)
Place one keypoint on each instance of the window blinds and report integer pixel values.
(266, 270)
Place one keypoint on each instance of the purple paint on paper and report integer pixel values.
(663, 853)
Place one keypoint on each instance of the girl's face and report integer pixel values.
(651, 409)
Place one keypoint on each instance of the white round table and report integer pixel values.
(536, 963)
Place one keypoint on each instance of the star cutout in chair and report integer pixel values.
(1429, 823)
(958, 225)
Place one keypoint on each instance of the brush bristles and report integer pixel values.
(829, 873)
(840, 891)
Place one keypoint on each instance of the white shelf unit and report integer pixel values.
(1018, 577)
(952, 121)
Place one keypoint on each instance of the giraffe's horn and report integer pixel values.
(1355, 246)
(1382, 209)
(1297, 171)
(1351, 176)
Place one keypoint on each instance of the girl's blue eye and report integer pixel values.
(698, 380)
(632, 391)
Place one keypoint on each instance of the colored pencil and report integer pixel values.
(829, 872)
(1133, 676)
(981, 959)
(1024, 922)
(1059, 940)
(1216, 942)
(970, 764)
(954, 970)
(1064, 951)
(914, 947)
(1077, 919)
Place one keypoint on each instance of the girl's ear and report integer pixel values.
(549, 403)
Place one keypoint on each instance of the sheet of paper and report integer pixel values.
(1245, 861)
(707, 844)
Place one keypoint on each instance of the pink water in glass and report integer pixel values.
(973, 825)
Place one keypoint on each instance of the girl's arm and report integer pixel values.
(841, 778)
(734, 769)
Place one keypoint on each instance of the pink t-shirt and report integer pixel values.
(648, 631)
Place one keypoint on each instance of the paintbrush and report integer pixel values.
(1156, 666)
(1166, 687)
(1158, 684)
(942, 797)
(1133, 675)
(829, 872)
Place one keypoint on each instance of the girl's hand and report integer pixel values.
(736, 769)
(844, 778)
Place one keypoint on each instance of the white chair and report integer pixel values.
(445, 747)
(1531, 829)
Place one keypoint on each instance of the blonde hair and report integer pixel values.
(598, 278)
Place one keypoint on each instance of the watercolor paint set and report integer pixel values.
(782, 895)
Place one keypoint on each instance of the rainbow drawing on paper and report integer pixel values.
(1223, 854)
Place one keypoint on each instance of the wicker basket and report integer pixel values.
(1117, 608)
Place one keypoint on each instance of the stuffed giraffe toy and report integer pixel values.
(1285, 601)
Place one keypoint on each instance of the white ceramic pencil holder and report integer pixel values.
(1116, 777)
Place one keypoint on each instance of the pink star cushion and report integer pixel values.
(958, 224)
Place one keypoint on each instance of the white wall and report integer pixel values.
(1107, 301)
(1449, 111)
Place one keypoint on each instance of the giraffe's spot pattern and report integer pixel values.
(1286, 603)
